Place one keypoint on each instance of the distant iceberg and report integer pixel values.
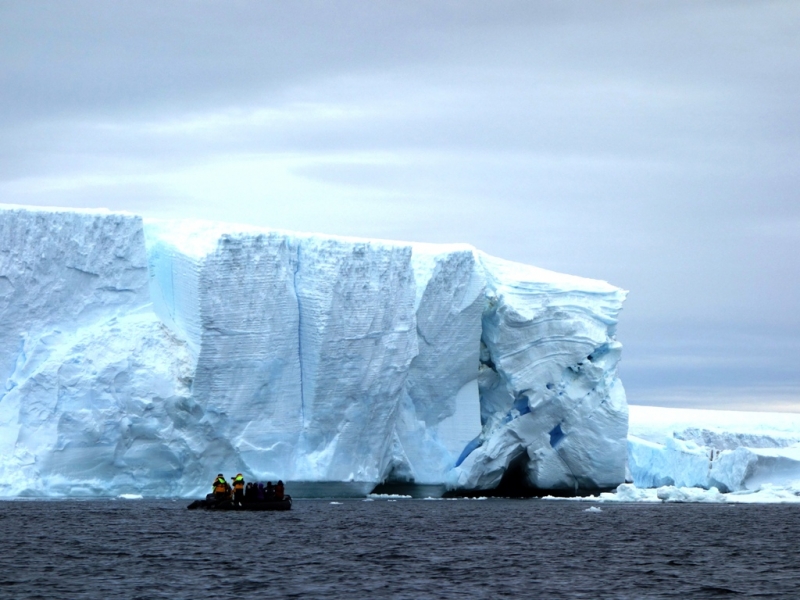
(733, 451)
(141, 358)
(691, 455)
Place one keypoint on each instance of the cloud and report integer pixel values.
(650, 144)
(761, 398)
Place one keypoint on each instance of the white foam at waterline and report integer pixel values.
(629, 493)
(386, 496)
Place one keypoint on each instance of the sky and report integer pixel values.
(654, 145)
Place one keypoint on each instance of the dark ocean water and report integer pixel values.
(405, 549)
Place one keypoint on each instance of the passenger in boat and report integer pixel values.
(238, 489)
(270, 491)
(249, 496)
(221, 488)
(261, 494)
(279, 490)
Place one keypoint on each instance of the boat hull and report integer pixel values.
(211, 504)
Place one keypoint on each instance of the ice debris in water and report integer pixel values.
(626, 492)
(387, 496)
(142, 357)
(594, 509)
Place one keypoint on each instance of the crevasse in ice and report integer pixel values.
(143, 358)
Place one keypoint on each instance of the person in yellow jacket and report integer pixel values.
(238, 489)
(221, 488)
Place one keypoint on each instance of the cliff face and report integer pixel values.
(145, 358)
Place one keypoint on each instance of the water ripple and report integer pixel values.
(404, 549)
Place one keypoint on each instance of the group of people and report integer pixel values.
(250, 493)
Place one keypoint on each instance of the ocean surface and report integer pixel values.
(462, 548)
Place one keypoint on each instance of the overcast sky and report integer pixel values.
(655, 145)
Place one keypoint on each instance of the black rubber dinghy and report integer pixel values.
(212, 504)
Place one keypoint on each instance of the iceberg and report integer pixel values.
(732, 451)
(140, 357)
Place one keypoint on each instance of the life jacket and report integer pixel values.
(279, 491)
(238, 483)
(220, 486)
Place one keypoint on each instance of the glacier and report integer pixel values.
(141, 357)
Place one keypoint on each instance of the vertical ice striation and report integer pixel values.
(357, 338)
(305, 357)
(232, 295)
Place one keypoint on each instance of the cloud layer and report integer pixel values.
(653, 145)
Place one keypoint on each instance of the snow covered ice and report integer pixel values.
(143, 357)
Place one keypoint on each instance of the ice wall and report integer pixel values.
(550, 397)
(232, 297)
(93, 385)
(60, 271)
(144, 359)
(729, 450)
(325, 359)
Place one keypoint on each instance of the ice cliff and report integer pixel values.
(145, 357)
